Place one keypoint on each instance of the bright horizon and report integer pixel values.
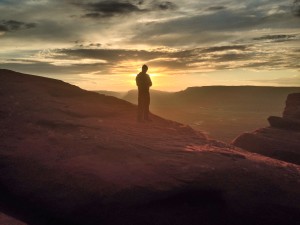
(101, 45)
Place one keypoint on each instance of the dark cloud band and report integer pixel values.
(276, 38)
(215, 8)
(118, 7)
(166, 5)
(13, 25)
(110, 8)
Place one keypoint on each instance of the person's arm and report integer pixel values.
(149, 81)
(137, 80)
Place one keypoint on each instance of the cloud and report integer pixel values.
(3, 28)
(103, 9)
(111, 55)
(215, 8)
(13, 25)
(70, 62)
(209, 25)
(225, 48)
(296, 8)
(197, 29)
(276, 37)
(193, 36)
(166, 5)
(109, 8)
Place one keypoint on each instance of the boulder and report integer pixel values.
(292, 108)
(284, 123)
(282, 139)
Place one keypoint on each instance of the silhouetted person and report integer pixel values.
(144, 83)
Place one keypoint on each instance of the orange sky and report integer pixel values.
(101, 45)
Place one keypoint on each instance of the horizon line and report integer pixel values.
(204, 86)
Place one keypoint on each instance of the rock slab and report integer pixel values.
(73, 157)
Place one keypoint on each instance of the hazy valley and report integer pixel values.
(222, 112)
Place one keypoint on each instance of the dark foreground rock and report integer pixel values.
(284, 123)
(7, 220)
(69, 156)
(282, 139)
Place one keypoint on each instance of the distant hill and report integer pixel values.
(223, 112)
(112, 93)
(74, 157)
(247, 97)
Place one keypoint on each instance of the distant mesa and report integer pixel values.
(282, 139)
(225, 111)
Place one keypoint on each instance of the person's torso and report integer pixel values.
(143, 81)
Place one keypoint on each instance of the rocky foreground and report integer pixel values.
(69, 156)
(282, 139)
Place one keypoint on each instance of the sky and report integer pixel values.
(102, 44)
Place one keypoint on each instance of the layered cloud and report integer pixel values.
(251, 56)
(151, 23)
(175, 37)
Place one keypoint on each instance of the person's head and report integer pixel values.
(144, 68)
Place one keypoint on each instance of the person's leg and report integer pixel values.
(146, 107)
(140, 108)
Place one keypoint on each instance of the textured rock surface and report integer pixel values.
(284, 123)
(282, 139)
(7, 220)
(69, 156)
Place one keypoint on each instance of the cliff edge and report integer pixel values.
(69, 156)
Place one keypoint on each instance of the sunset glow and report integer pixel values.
(101, 45)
